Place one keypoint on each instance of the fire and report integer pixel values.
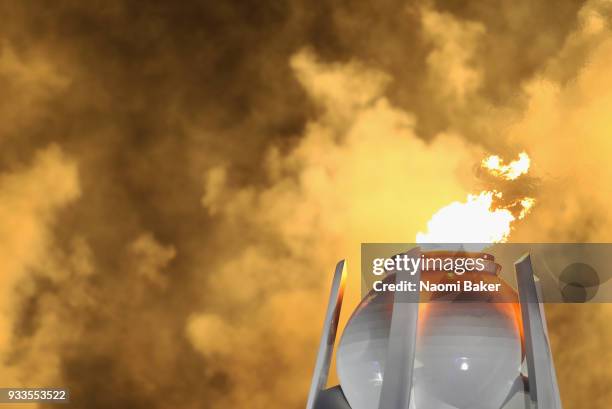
(526, 205)
(481, 218)
(473, 221)
(494, 164)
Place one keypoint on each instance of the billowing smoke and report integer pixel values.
(359, 172)
(29, 200)
(177, 181)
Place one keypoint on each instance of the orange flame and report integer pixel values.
(478, 219)
(494, 164)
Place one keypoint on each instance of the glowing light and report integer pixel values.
(482, 218)
(464, 363)
(473, 221)
(526, 204)
(494, 164)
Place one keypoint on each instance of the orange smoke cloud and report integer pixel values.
(176, 187)
(30, 198)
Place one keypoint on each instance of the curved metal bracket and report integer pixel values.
(328, 336)
(543, 388)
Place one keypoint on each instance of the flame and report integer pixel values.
(494, 164)
(481, 219)
(473, 221)
(526, 205)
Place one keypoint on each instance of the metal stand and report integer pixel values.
(543, 388)
(328, 336)
(399, 365)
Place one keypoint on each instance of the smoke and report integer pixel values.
(357, 163)
(178, 180)
(30, 198)
(566, 126)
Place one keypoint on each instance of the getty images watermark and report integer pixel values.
(566, 272)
